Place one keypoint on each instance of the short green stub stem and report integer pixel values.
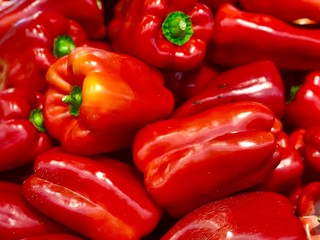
(63, 45)
(36, 118)
(293, 92)
(74, 100)
(177, 28)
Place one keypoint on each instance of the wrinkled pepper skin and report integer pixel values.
(118, 95)
(97, 198)
(19, 219)
(308, 209)
(243, 37)
(254, 215)
(284, 9)
(23, 134)
(303, 109)
(31, 46)
(288, 173)
(165, 34)
(89, 13)
(259, 81)
(190, 161)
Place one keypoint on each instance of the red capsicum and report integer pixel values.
(254, 215)
(185, 84)
(99, 198)
(89, 13)
(19, 219)
(166, 34)
(259, 81)
(242, 37)
(190, 161)
(23, 134)
(97, 100)
(288, 174)
(285, 9)
(303, 108)
(32, 45)
(308, 209)
(54, 237)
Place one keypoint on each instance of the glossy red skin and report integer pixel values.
(289, 171)
(284, 9)
(215, 4)
(18, 219)
(308, 209)
(97, 198)
(136, 30)
(120, 94)
(259, 81)
(242, 37)
(296, 139)
(304, 109)
(26, 50)
(54, 237)
(20, 140)
(190, 161)
(185, 84)
(253, 215)
(86, 12)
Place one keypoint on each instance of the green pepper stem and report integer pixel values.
(74, 100)
(293, 91)
(63, 45)
(177, 28)
(36, 118)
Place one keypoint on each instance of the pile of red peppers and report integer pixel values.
(136, 119)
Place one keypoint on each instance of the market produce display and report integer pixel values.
(158, 120)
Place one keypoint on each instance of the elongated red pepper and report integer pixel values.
(288, 173)
(166, 34)
(308, 210)
(254, 215)
(243, 37)
(259, 81)
(23, 134)
(98, 100)
(303, 109)
(285, 9)
(19, 219)
(97, 198)
(89, 13)
(190, 161)
(32, 45)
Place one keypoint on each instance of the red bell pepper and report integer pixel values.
(286, 10)
(89, 13)
(254, 215)
(308, 209)
(288, 173)
(296, 139)
(97, 198)
(259, 81)
(214, 5)
(23, 134)
(190, 161)
(18, 219)
(303, 109)
(185, 84)
(54, 237)
(97, 100)
(166, 34)
(243, 37)
(32, 45)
